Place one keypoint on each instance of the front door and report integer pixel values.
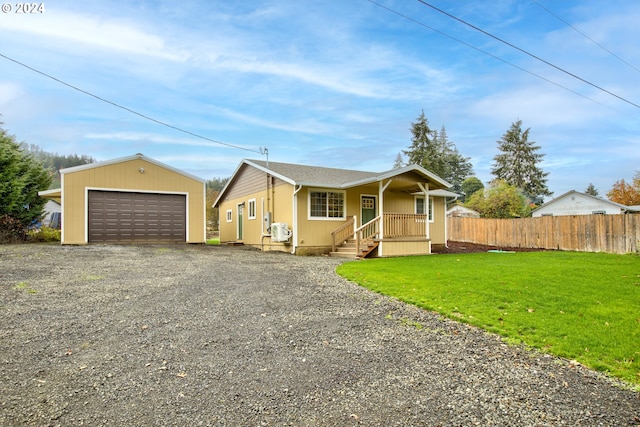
(240, 215)
(368, 209)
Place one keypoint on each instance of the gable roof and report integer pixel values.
(334, 177)
(601, 200)
(137, 156)
(317, 176)
(310, 175)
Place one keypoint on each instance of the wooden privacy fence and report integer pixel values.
(586, 233)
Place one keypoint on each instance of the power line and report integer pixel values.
(586, 36)
(129, 109)
(484, 52)
(527, 53)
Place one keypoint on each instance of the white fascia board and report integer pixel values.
(270, 172)
(127, 159)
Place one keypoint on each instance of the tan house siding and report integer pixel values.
(438, 228)
(404, 247)
(126, 176)
(277, 199)
(249, 181)
(315, 235)
(398, 203)
(289, 196)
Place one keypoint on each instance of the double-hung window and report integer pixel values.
(252, 209)
(326, 204)
(420, 207)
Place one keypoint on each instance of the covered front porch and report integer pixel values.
(389, 234)
(406, 216)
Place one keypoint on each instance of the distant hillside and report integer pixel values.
(54, 161)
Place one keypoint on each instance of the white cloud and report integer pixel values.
(154, 138)
(93, 32)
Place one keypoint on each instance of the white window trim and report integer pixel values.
(326, 218)
(251, 206)
(431, 206)
(229, 215)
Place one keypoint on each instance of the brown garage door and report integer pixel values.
(124, 217)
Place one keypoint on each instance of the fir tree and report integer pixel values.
(591, 190)
(433, 151)
(398, 162)
(21, 177)
(517, 165)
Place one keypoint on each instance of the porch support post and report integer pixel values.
(425, 190)
(381, 187)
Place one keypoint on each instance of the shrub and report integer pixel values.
(11, 230)
(44, 235)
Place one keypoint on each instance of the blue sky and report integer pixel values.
(329, 83)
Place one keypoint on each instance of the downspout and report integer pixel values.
(262, 231)
(446, 226)
(294, 226)
(263, 234)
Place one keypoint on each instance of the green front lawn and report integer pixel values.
(580, 306)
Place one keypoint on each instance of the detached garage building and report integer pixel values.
(130, 200)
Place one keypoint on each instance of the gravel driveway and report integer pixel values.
(223, 336)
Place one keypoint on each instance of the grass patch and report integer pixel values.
(22, 286)
(215, 241)
(92, 277)
(580, 306)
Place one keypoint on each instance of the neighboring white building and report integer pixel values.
(51, 209)
(462, 212)
(576, 203)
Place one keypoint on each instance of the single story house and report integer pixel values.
(132, 199)
(316, 210)
(576, 203)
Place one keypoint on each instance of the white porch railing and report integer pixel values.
(404, 225)
(368, 231)
(395, 226)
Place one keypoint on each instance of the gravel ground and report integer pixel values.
(222, 336)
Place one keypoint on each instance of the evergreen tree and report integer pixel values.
(457, 166)
(55, 161)
(591, 190)
(517, 164)
(434, 152)
(21, 177)
(470, 186)
(398, 163)
(423, 149)
(213, 187)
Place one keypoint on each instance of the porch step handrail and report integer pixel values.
(342, 233)
(367, 231)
